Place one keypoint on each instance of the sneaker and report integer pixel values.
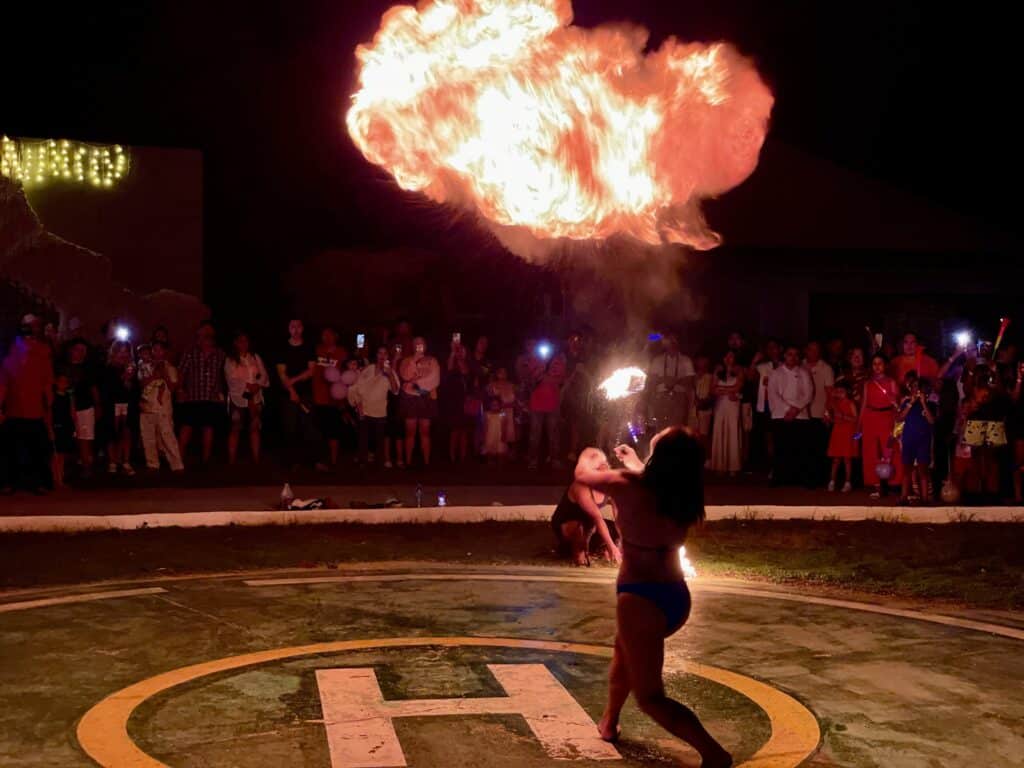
(832, 486)
(112, 469)
(388, 465)
(532, 466)
(847, 487)
(875, 495)
(128, 470)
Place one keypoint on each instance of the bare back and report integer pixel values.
(650, 541)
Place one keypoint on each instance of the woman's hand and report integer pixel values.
(627, 455)
(613, 554)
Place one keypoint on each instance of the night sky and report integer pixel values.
(906, 93)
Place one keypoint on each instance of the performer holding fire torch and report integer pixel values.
(657, 502)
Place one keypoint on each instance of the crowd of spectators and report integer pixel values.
(813, 415)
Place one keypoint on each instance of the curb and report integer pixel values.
(480, 514)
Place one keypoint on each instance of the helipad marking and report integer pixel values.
(103, 730)
(360, 722)
(86, 597)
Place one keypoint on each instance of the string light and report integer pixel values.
(34, 162)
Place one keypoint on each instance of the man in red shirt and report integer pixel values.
(26, 393)
(913, 359)
(546, 379)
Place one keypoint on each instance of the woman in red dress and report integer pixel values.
(877, 419)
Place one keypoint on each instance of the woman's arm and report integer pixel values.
(586, 503)
(603, 480)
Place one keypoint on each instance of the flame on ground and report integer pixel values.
(684, 562)
(623, 383)
(503, 107)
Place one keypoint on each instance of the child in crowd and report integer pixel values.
(703, 401)
(494, 447)
(842, 445)
(917, 415)
(63, 417)
(500, 424)
(158, 379)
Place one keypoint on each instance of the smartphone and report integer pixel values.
(360, 341)
(456, 338)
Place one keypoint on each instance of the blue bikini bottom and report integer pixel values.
(672, 598)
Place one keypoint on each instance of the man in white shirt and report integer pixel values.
(823, 379)
(670, 385)
(790, 392)
(369, 396)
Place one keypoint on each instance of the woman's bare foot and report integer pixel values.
(608, 730)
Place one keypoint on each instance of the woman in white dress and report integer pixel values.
(726, 436)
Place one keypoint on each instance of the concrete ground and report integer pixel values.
(328, 668)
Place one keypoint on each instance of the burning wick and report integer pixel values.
(684, 562)
(623, 383)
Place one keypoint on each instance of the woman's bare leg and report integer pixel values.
(425, 441)
(642, 629)
(254, 443)
(234, 437)
(618, 692)
(577, 536)
(410, 440)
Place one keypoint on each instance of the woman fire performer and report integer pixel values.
(658, 502)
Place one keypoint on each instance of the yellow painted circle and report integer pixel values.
(103, 731)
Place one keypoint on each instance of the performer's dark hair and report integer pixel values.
(675, 473)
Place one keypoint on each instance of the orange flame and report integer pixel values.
(503, 106)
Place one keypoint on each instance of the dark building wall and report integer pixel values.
(150, 224)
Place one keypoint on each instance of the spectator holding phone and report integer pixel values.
(369, 396)
(247, 378)
(119, 390)
(546, 375)
(421, 375)
(918, 417)
(158, 380)
(460, 404)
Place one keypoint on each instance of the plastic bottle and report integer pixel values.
(419, 495)
(442, 499)
(287, 497)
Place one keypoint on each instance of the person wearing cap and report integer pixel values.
(26, 393)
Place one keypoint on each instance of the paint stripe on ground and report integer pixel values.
(86, 597)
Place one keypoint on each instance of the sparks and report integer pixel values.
(623, 383)
(502, 107)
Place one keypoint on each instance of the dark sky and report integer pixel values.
(907, 93)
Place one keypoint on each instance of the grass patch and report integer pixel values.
(971, 563)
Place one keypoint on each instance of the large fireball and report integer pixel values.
(501, 106)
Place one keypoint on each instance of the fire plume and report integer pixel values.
(503, 107)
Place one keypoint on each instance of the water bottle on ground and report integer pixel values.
(442, 499)
(419, 495)
(287, 497)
